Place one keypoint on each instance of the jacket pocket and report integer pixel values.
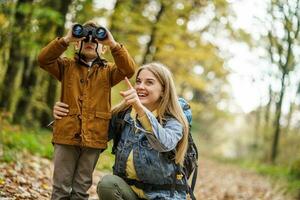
(98, 126)
(67, 127)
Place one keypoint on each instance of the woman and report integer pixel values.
(153, 141)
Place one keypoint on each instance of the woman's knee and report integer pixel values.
(107, 187)
(109, 181)
(114, 188)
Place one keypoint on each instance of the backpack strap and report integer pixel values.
(151, 187)
(119, 126)
(189, 189)
(194, 178)
(173, 185)
(195, 170)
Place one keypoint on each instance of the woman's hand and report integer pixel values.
(60, 110)
(131, 98)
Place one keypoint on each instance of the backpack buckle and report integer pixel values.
(179, 176)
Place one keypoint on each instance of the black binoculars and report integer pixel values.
(88, 31)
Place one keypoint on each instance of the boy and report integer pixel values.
(86, 83)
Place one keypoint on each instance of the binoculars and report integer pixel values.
(88, 31)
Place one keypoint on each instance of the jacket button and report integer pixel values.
(81, 81)
(77, 135)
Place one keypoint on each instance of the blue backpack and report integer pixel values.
(190, 164)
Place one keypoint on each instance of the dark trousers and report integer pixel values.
(73, 171)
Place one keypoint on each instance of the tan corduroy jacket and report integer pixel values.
(87, 91)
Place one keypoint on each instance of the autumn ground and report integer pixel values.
(29, 178)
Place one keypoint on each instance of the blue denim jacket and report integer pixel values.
(150, 160)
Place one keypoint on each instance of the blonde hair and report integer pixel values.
(168, 105)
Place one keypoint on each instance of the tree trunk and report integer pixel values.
(268, 107)
(29, 82)
(9, 10)
(113, 17)
(150, 51)
(257, 127)
(11, 92)
(277, 120)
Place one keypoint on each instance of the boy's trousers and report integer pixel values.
(73, 171)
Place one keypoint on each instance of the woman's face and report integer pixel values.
(149, 89)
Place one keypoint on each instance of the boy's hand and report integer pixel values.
(60, 110)
(69, 37)
(109, 41)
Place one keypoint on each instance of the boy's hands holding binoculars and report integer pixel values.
(109, 41)
(90, 34)
(69, 37)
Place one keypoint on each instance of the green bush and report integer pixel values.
(294, 171)
(36, 142)
(106, 159)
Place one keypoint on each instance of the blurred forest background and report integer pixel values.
(194, 39)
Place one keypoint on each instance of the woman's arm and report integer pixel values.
(162, 138)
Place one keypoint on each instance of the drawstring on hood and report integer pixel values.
(98, 60)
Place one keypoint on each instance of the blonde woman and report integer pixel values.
(152, 143)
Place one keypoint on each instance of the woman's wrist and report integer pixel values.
(140, 111)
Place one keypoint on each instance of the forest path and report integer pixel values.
(30, 178)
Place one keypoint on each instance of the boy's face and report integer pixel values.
(89, 49)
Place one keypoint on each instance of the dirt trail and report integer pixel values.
(30, 178)
(228, 182)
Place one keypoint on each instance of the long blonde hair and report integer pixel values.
(168, 105)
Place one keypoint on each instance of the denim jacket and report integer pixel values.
(149, 152)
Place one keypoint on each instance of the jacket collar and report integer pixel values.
(127, 117)
(98, 61)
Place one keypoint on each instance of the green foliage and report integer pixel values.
(294, 170)
(106, 160)
(282, 173)
(37, 142)
(84, 11)
(14, 140)
(134, 24)
(46, 15)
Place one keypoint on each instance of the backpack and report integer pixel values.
(190, 163)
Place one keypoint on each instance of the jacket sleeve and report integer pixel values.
(49, 58)
(124, 65)
(163, 138)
